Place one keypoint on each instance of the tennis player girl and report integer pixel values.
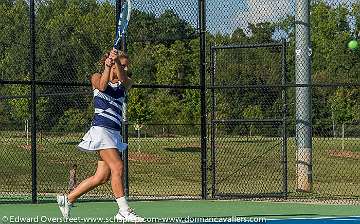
(104, 135)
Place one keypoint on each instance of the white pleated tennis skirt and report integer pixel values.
(98, 138)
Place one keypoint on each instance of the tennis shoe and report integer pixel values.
(64, 205)
(128, 215)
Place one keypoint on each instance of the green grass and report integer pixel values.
(171, 166)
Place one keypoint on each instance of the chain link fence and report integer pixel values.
(248, 124)
(281, 120)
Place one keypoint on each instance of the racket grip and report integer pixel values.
(116, 45)
(124, 43)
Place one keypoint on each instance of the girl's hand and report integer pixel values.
(109, 62)
(114, 55)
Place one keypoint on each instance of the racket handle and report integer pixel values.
(124, 43)
(117, 43)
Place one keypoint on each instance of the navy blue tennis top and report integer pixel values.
(108, 106)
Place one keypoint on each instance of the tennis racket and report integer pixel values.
(120, 43)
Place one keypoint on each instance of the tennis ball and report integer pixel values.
(353, 44)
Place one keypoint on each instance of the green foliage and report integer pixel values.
(253, 112)
(172, 63)
(3, 115)
(20, 108)
(170, 25)
(143, 63)
(72, 35)
(73, 120)
(142, 27)
(139, 110)
(14, 38)
(330, 34)
(343, 105)
(190, 108)
(166, 107)
(165, 29)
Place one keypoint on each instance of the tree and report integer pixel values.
(143, 27)
(139, 110)
(262, 32)
(143, 63)
(14, 51)
(19, 108)
(252, 112)
(71, 38)
(342, 104)
(171, 27)
(190, 107)
(73, 120)
(166, 107)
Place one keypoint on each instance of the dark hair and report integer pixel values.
(102, 61)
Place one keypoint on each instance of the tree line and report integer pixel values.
(72, 35)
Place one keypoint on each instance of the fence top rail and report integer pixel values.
(223, 47)
(247, 121)
(49, 83)
(43, 83)
(169, 86)
(325, 85)
(165, 86)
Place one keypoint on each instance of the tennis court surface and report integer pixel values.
(190, 212)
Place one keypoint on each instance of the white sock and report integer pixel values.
(122, 203)
(67, 201)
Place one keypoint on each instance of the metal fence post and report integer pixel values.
(125, 155)
(285, 113)
(33, 105)
(202, 26)
(303, 96)
(212, 123)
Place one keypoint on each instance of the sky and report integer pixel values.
(225, 16)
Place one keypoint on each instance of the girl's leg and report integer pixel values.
(113, 160)
(101, 176)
